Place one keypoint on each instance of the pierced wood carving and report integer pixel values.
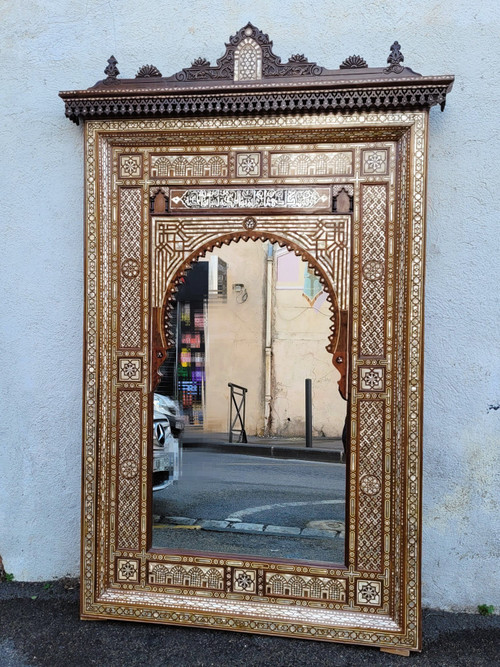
(111, 72)
(249, 56)
(147, 71)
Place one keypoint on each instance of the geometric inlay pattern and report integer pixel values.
(368, 592)
(130, 268)
(374, 212)
(370, 485)
(337, 163)
(248, 60)
(374, 162)
(247, 164)
(327, 239)
(333, 248)
(250, 223)
(347, 187)
(129, 452)
(129, 469)
(127, 570)
(244, 581)
(371, 378)
(130, 251)
(370, 503)
(318, 588)
(130, 166)
(373, 269)
(185, 575)
(400, 381)
(129, 370)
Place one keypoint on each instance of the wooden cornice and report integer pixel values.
(297, 86)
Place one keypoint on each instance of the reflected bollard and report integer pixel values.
(309, 424)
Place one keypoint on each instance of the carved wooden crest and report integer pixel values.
(269, 85)
(249, 57)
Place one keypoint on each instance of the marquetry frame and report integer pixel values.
(375, 601)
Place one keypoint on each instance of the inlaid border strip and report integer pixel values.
(409, 550)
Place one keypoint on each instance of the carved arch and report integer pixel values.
(163, 334)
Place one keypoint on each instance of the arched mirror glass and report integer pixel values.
(249, 424)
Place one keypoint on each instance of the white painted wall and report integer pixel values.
(51, 45)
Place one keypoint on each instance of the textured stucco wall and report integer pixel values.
(235, 335)
(51, 45)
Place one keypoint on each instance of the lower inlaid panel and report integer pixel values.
(181, 575)
(316, 623)
(245, 580)
(317, 588)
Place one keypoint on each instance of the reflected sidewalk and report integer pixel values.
(324, 449)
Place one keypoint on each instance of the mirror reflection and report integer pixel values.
(249, 425)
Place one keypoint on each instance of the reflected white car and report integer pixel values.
(168, 426)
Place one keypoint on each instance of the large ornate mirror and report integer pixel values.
(253, 353)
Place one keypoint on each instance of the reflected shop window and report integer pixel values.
(235, 469)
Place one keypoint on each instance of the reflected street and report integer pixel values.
(233, 503)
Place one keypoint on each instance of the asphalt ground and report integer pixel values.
(40, 625)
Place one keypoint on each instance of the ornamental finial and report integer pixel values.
(111, 70)
(395, 59)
